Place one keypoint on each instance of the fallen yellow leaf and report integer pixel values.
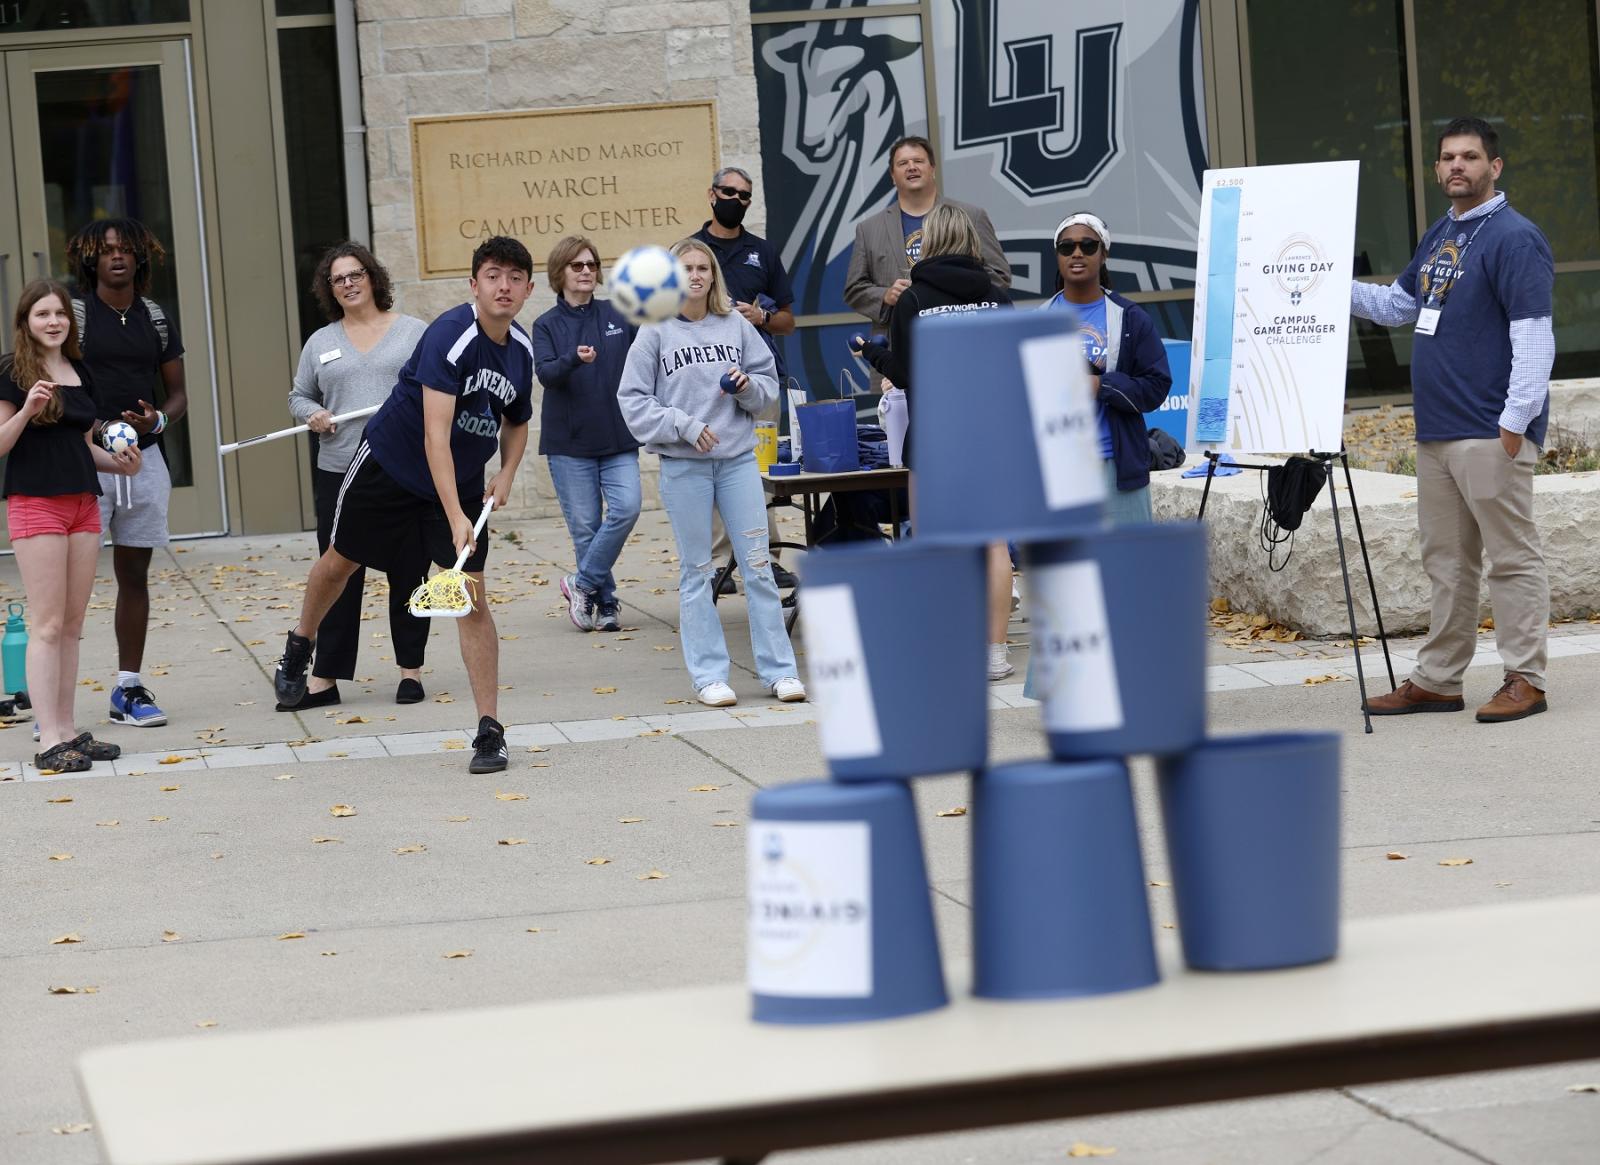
(353, 720)
(1330, 678)
(343, 810)
(170, 788)
(1583, 1088)
(108, 824)
(1395, 855)
(160, 818)
(322, 839)
(67, 938)
(173, 760)
(60, 857)
(534, 930)
(598, 862)
(453, 745)
(59, 801)
(458, 955)
(170, 936)
(629, 820)
(1456, 862)
(458, 819)
(510, 796)
(1084, 1149)
(724, 824)
(605, 691)
(289, 934)
(412, 849)
(205, 1023)
(652, 876)
(705, 789)
(73, 990)
(1163, 884)
(284, 777)
(512, 841)
(954, 811)
(68, 1130)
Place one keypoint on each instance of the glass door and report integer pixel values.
(106, 131)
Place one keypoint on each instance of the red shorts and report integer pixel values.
(67, 514)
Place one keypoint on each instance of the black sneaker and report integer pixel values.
(289, 681)
(409, 692)
(725, 585)
(784, 578)
(605, 617)
(489, 747)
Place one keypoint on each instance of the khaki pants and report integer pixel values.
(1472, 499)
(721, 548)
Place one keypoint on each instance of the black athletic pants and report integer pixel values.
(339, 637)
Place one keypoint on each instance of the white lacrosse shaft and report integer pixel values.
(354, 414)
(477, 531)
(896, 421)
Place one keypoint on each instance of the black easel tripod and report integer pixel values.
(1344, 568)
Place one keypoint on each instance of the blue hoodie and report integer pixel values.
(580, 417)
(1135, 382)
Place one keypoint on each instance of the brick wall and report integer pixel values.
(470, 56)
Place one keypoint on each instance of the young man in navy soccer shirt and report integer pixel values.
(466, 391)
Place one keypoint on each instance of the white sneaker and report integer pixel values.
(717, 695)
(789, 690)
(999, 666)
(1016, 595)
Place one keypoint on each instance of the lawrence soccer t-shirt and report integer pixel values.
(492, 384)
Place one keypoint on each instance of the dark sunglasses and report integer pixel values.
(733, 192)
(1084, 246)
(583, 265)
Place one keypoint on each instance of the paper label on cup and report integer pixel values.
(1075, 663)
(840, 686)
(810, 908)
(1066, 426)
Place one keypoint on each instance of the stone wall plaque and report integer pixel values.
(620, 174)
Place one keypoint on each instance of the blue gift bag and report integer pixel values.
(828, 436)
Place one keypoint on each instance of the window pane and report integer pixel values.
(1530, 72)
(44, 15)
(1577, 322)
(759, 6)
(1354, 110)
(305, 7)
(102, 137)
(308, 60)
(835, 94)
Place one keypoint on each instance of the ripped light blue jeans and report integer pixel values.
(690, 488)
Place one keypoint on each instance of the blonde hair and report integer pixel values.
(717, 301)
(948, 231)
(25, 364)
(564, 252)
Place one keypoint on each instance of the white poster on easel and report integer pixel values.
(1272, 308)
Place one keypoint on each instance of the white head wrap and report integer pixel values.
(1085, 219)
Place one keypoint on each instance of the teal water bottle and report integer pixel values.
(14, 651)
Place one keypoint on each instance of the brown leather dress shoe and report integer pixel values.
(1408, 698)
(1515, 699)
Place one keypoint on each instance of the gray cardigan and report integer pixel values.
(347, 381)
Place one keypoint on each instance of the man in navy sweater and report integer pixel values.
(1479, 292)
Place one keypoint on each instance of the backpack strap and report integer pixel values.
(80, 313)
(159, 319)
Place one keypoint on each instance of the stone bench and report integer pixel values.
(1308, 593)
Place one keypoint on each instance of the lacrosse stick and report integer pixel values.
(448, 594)
(350, 416)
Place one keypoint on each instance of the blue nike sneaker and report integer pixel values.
(136, 706)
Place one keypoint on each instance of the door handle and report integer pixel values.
(5, 299)
(42, 264)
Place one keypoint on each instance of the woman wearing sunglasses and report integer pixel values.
(579, 349)
(1127, 364)
(351, 364)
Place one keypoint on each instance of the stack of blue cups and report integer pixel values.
(1006, 434)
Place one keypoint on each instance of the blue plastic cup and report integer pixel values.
(1118, 632)
(841, 922)
(1005, 432)
(1059, 900)
(892, 631)
(1253, 841)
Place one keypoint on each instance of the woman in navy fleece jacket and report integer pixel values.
(579, 349)
(1128, 365)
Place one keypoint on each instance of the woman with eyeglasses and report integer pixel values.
(579, 349)
(351, 364)
(1127, 364)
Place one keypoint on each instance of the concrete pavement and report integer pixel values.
(183, 877)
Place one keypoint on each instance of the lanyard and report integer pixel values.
(1461, 259)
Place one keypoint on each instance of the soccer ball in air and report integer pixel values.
(119, 435)
(648, 284)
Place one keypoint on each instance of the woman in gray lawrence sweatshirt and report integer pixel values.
(690, 392)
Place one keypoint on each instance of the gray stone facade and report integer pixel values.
(422, 57)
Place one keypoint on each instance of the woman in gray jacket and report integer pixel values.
(351, 364)
(691, 391)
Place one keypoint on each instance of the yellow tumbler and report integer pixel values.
(766, 445)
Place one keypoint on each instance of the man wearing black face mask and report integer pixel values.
(759, 288)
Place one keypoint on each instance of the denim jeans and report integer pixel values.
(582, 485)
(690, 488)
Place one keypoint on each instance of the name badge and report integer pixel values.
(329, 357)
(1428, 321)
